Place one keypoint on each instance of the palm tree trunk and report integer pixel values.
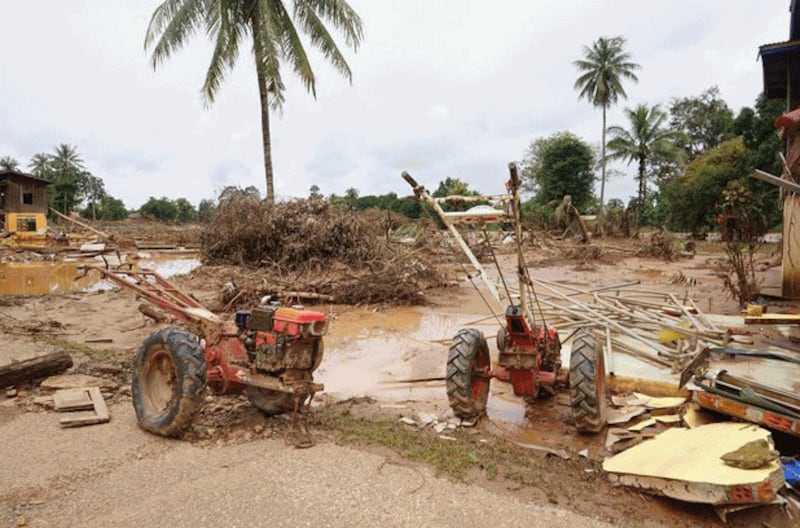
(642, 182)
(601, 212)
(266, 141)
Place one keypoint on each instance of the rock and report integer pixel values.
(752, 455)
(44, 401)
(11, 393)
(584, 453)
(440, 427)
(22, 521)
(426, 418)
(408, 421)
(258, 429)
(77, 381)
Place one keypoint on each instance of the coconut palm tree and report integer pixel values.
(68, 172)
(647, 141)
(9, 163)
(274, 31)
(40, 165)
(602, 69)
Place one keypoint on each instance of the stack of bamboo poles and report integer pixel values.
(654, 326)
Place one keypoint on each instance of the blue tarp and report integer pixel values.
(791, 471)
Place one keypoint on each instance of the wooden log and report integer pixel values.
(152, 313)
(33, 368)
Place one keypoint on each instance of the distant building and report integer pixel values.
(23, 203)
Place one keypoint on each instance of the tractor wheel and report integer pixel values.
(467, 383)
(169, 377)
(270, 402)
(587, 383)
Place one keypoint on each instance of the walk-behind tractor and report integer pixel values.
(529, 350)
(269, 352)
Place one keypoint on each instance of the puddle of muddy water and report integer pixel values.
(46, 278)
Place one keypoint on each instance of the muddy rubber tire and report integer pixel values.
(587, 383)
(270, 402)
(169, 378)
(467, 386)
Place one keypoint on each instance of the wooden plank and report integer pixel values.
(72, 400)
(790, 259)
(774, 180)
(98, 415)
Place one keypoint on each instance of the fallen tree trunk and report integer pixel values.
(37, 367)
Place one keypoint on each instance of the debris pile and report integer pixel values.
(314, 250)
(663, 245)
(653, 326)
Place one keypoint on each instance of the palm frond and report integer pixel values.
(267, 49)
(340, 15)
(321, 38)
(224, 20)
(172, 23)
(292, 47)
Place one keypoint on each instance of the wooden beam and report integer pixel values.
(37, 367)
(774, 180)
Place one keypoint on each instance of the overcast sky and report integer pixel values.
(440, 88)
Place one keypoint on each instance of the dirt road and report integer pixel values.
(117, 475)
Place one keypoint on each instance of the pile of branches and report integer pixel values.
(314, 248)
(662, 244)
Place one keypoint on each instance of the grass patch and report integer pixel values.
(78, 348)
(494, 457)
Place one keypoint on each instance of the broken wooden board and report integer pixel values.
(685, 464)
(72, 400)
(660, 403)
(99, 414)
(694, 416)
(623, 415)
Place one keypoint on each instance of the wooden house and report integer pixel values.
(781, 67)
(23, 203)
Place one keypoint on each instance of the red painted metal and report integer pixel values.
(300, 316)
(523, 382)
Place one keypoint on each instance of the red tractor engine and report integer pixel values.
(530, 358)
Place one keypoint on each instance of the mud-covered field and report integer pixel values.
(376, 362)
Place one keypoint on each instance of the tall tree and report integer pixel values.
(602, 69)
(9, 163)
(704, 121)
(68, 173)
(559, 165)
(275, 41)
(647, 142)
(40, 165)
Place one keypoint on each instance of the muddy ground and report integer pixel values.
(47, 473)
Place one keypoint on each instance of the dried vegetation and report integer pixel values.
(311, 249)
